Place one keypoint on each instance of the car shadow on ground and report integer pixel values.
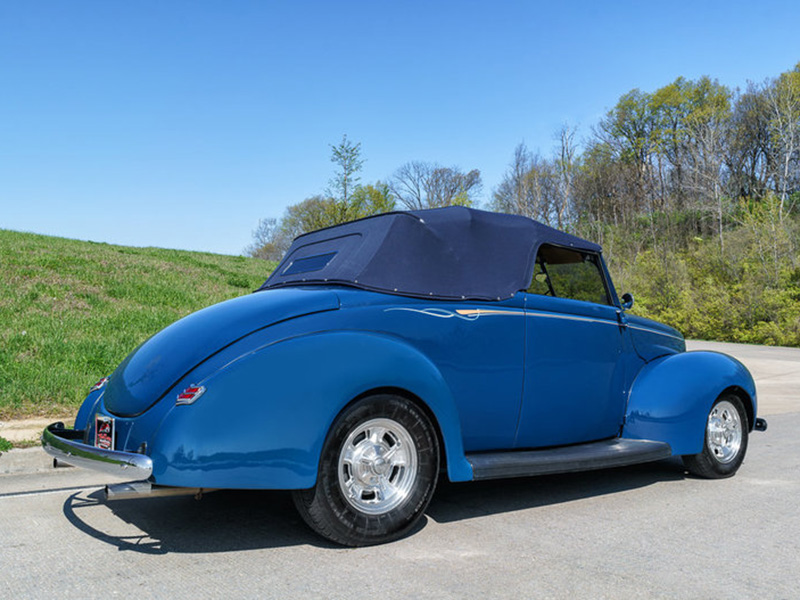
(457, 501)
(229, 520)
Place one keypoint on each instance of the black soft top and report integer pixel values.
(443, 253)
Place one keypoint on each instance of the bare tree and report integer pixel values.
(408, 184)
(513, 193)
(448, 186)
(565, 166)
(705, 140)
(530, 187)
(270, 240)
(783, 98)
(418, 185)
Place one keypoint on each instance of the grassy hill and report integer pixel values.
(70, 311)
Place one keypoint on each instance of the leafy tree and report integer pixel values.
(347, 157)
(312, 213)
(748, 149)
(368, 200)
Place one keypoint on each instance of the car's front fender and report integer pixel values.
(671, 397)
(263, 418)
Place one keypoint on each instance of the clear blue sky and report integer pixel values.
(179, 124)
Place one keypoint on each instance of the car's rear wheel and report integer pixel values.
(377, 473)
(725, 441)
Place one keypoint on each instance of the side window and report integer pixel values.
(566, 273)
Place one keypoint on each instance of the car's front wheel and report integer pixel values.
(377, 473)
(725, 441)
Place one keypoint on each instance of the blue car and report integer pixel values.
(384, 353)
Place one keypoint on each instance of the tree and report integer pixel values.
(565, 167)
(530, 187)
(347, 156)
(705, 140)
(408, 184)
(748, 148)
(270, 241)
(783, 99)
(368, 200)
(630, 130)
(312, 213)
(345, 200)
(419, 185)
(449, 186)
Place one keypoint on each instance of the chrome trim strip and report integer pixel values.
(549, 315)
(656, 331)
(128, 465)
(473, 314)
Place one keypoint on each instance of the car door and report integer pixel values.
(576, 353)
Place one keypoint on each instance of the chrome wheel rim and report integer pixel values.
(724, 432)
(377, 466)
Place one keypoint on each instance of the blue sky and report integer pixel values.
(179, 124)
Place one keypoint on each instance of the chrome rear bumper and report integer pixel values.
(66, 445)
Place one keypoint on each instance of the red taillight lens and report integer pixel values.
(190, 394)
(99, 384)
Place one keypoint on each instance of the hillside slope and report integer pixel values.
(70, 311)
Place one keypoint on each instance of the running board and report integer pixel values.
(617, 452)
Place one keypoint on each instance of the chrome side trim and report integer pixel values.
(473, 314)
(655, 331)
(570, 317)
(61, 444)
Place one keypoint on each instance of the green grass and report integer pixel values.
(70, 311)
(5, 445)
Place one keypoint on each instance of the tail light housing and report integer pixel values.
(190, 395)
(100, 384)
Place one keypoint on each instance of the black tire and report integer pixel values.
(720, 456)
(384, 498)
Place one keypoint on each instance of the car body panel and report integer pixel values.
(477, 348)
(671, 397)
(151, 369)
(653, 339)
(288, 395)
(576, 372)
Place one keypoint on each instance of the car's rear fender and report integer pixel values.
(263, 418)
(88, 408)
(671, 397)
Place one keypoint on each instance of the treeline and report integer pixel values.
(415, 185)
(692, 189)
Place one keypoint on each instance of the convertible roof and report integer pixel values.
(444, 253)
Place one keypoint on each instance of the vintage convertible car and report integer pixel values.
(383, 351)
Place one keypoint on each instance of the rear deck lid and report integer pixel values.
(159, 363)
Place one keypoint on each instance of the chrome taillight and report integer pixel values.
(190, 394)
(99, 384)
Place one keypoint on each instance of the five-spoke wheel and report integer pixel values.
(725, 441)
(377, 473)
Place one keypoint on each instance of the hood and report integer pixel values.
(159, 363)
(652, 339)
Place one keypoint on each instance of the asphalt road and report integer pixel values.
(645, 531)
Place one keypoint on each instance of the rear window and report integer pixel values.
(565, 273)
(308, 264)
